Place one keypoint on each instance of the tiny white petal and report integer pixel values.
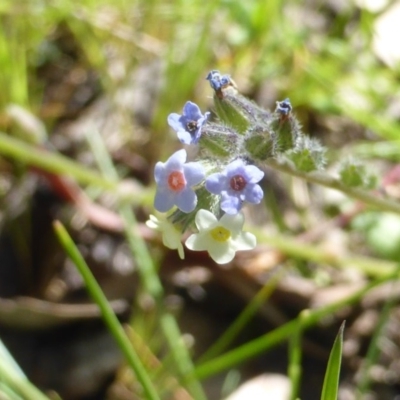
(245, 241)
(234, 223)
(205, 220)
(221, 253)
(198, 241)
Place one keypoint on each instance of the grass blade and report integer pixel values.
(331, 380)
(108, 315)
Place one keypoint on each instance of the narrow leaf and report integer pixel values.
(331, 380)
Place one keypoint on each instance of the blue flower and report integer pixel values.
(283, 107)
(237, 183)
(188, 125)
(175, 180)
(218, 81)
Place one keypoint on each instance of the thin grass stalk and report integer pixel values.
(149, 275)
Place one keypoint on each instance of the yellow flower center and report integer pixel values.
(220, 234)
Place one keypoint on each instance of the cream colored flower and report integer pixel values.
(221, 238)
(171, 236)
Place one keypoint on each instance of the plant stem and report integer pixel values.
(109, 317)
(52, 162)
(323, 179)
(149, 275)
(19, 383)
(373, 267)
(284, 332)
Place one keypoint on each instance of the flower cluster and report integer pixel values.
(207, 195)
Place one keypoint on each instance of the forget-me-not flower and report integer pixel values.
(218, 81)
(221, 238)
(175, 180)
(188, 125)
(236, 184)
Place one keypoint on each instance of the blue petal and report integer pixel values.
(185, 137)
(176, 161)
(230, 204)
(253, 174)
(216, 183)
(160, 173)
(163, 200)
(236, 167)
(192, 111)
(253, 194)
(174, 121)
(186, 200)
(194, 173)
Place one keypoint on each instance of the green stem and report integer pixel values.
(373, 348)
(294, 248)
(52, 162)
(149, 275)
(242, 320)
(324, 179)
(108, 314)
(284, 332)
(295, 356)
(19, 383)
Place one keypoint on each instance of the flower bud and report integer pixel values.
(352, 173)
(259, 143)
(308, 154)
(218, 140)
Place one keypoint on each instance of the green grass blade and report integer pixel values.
(52, 162)
(284, 332)
(295, 357)
(373, 348)
(107, 313)
(14, 383)
(149, 275)
(241, 321)
(331, 381)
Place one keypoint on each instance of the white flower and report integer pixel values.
(171, 236)
(223, 238)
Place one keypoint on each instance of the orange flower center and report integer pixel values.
(238, 183)
(176, 181)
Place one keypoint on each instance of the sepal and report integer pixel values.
(308, 154)
(352, 173)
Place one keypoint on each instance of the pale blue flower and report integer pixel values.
(188, 125)
(175, 180)
(236, 184)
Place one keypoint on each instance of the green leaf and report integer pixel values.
(331, 380)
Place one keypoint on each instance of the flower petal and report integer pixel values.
(176, 161)
(236, 167)
(253, 174)
(192, 111)
(233, 223)
(185, 137)
(205, 220)
(186, 200)
(221, 253)
(253, 194)
(215, 183)
(174, 121)
(230, 204)
(153, 222)
(198, 241)
(164, 200)
(194, 173)
(245, 241)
